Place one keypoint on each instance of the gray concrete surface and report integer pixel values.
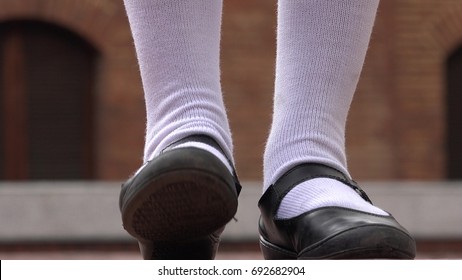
(88, 211)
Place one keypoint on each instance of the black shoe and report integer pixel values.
(178, 204)
(328, 232)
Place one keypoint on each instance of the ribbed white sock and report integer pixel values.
(322, 192)
(209, 149)
(321, 47)
(178, 45)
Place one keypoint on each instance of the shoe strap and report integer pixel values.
(211, 142)
(304, 172)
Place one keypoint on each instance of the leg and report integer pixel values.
(320, 52)
(177, 44)
(177, 204)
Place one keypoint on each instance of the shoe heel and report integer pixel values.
(273, 252)
(200, 249)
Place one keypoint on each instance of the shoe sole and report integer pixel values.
(183, 203)
(370, 242)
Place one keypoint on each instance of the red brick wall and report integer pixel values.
(396, 128)
(405, 70)
(119, 104)
(248, 60)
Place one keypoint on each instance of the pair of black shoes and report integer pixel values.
(178, 204)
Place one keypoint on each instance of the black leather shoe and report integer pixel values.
(328, 232)
(178, 204)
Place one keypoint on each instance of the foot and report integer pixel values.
(323, 192)
(177, 205)
(328, 232)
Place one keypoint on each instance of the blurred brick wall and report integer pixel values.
(396, 128)
(397, 124)
(248, 60)
(120, 116)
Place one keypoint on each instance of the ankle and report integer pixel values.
(227, 162)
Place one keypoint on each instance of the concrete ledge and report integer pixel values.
(88, 211)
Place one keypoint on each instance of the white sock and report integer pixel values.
(209, 149)
(322, 192)
(321, 48)
(178, 48)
